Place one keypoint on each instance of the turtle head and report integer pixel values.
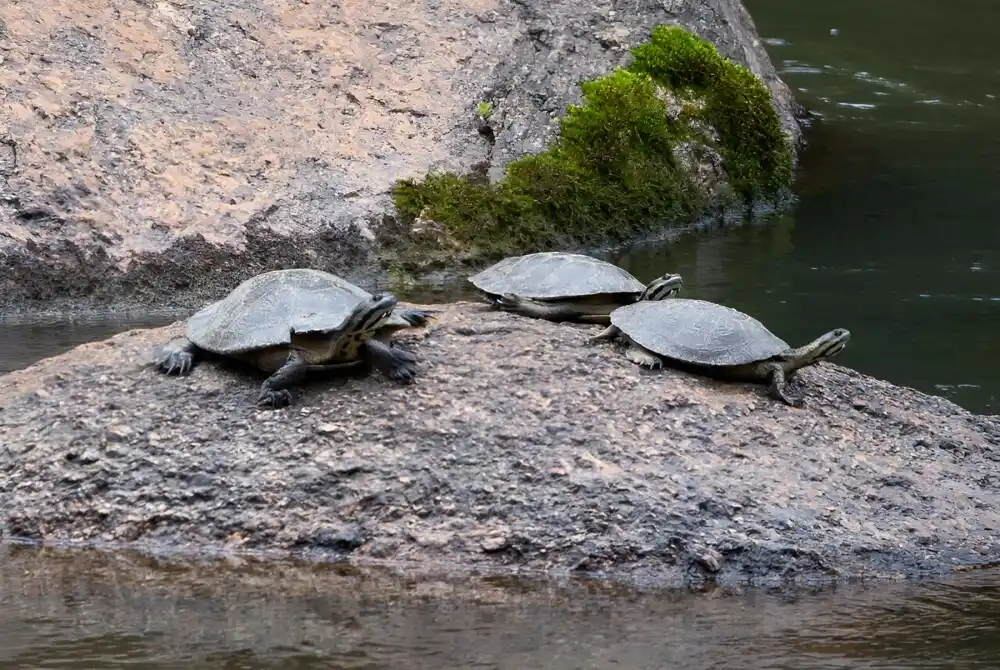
(369, 315)
(831, 343)
(823, 347)
(667, 286)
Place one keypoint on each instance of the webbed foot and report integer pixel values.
(643, 357)
(276, 398)
(778, 388)
(274, 391)
(176, 357)
(397, 363)
(791, 399)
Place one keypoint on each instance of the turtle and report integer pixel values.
(289, 322)
(560, 286)
(715, 341)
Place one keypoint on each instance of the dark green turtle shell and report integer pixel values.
(553, 275)
(698, 331)
(265, 310)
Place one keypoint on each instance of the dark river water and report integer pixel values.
(895, 237)
(92, 610)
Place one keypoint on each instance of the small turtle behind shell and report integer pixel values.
(560, 286)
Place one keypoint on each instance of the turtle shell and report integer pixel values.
(553, 275)
(264, 310)
(698, 331)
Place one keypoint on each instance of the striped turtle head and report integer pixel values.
(661, 288)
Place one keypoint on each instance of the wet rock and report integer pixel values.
(567, 457)
(243, 136)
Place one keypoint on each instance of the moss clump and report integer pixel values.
(611, 173)
(602, 179)
(758, 157)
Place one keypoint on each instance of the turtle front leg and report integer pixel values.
(274, 391)
(178, 356)
(537, 309)
(396, 363)
(642, 356)
(777, 386)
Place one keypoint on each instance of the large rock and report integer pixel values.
(147, 145)
(519, 445)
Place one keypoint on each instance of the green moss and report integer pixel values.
(611, 173)
(758, 158)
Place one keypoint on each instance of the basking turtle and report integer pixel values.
(715, 341)
(288, 322)
(559, 286)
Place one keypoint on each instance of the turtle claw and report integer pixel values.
(643, 358)
(403, 354)
(396, 362)
(175, 357)
(793, 399)
(176, 363)
(274, 398)
(403, 374)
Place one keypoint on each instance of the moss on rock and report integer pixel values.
(758, 156)
(612, 172)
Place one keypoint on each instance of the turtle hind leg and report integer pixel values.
(538, 309)
(607, 335)
(178, 356)
(274, 391)
(777, 387)
(396, 363)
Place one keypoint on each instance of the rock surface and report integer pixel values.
(146, 148)
(519, 446)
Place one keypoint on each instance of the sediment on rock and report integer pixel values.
(519, 446)
(149, 145)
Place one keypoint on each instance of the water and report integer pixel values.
(94, 610)
(26, 339)
(894, 238)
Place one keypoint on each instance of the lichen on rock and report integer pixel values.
(652, 145)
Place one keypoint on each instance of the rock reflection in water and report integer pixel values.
(24, 341)
(94, 609)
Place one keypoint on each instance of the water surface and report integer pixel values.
(25, 339)
(93, 610)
